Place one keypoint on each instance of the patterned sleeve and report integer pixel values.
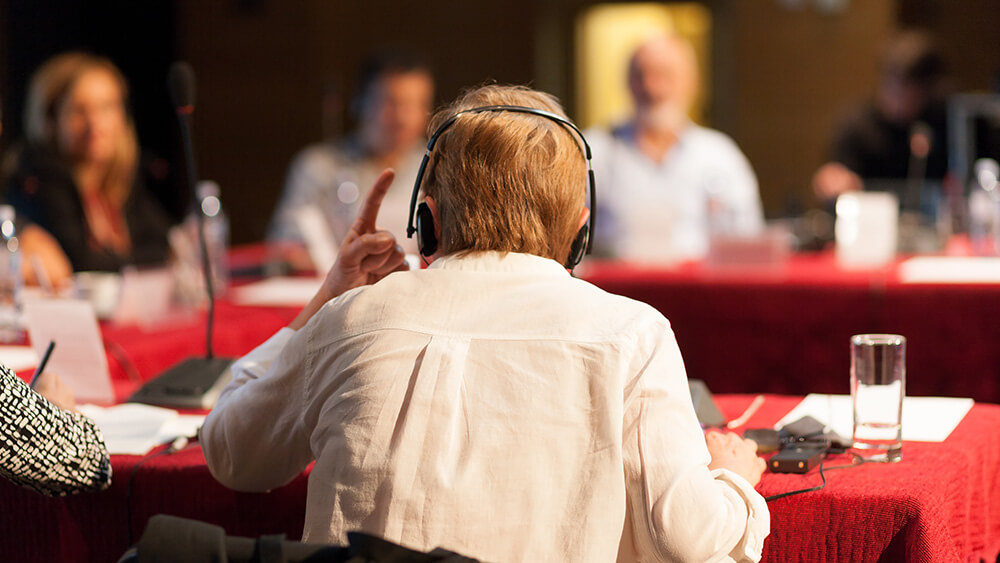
(45, 448)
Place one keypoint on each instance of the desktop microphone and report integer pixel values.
(920, 146)
(195, 382)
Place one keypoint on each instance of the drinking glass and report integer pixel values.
(878, 385)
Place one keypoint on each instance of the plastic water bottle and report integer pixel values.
(11, 281)
(216, 233)
(984, 208)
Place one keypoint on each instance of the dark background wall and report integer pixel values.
(781, 76)
(137, 36)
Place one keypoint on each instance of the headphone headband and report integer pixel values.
(411, 227)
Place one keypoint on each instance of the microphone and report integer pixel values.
(195, 382)
(180, 82)
(921, 136)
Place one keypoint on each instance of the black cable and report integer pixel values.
(800, 491)
(856, 461)
(121, 356)
(177, 445)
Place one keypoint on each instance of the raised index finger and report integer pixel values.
(365, 223)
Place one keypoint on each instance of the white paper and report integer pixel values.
(278, 292)
(925, 419)
(648, 239)
(181, 425)
(135, 429)
(866, 229)
(78, 357)
(320, 242)
(18, 358)
(145, 296)
(950, 269)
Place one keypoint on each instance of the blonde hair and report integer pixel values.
(48, 90)
(505, 181)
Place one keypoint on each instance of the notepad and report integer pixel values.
(950, 269)
(135, 429)
(925, 419)
(79, 357)
(278, 292)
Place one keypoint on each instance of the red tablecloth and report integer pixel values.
(941, 503)
(747, 330)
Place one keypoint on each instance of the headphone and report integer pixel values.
(421, 221)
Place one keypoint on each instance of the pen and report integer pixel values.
(751, 410)
(41, 364)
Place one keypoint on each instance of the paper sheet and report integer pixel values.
(135, 429)
(925, 419)
(320, 242)
(278, 292)
(145, 296)
(950, 269)
(18, 358)
(78, 357)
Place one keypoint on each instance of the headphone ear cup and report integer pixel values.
(578, 248)
(427, 241)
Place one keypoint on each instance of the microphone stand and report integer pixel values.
(920, 144)
(195, 382)
(184, 117)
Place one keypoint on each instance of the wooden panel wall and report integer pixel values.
(791, 75)
(782, 77)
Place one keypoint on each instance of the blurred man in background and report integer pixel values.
(395, 94)
(667, 183)
(877, 146)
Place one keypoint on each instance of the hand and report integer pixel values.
(51, 387)
(40, 250)
(366, 255)
(833, 179)
(736, 454)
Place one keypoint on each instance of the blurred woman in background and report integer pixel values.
(40, 250)
(79, 175)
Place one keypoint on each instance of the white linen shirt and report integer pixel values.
(492, 405)
(665, 211)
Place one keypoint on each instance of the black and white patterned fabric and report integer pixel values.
(45, 448)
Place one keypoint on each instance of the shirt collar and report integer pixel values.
(628, 131)
(511, 262)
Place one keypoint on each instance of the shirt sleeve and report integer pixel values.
(45, 448)
(742, 194)
(255, 439)
(303, 187)
(851, 137)
(680, 510)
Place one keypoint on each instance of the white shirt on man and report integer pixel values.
(665, 211)
(335, 178)
(492, 405)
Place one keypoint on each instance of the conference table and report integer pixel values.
(941, 503)
(787, 329)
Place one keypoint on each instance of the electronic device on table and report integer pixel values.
(801, 444)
